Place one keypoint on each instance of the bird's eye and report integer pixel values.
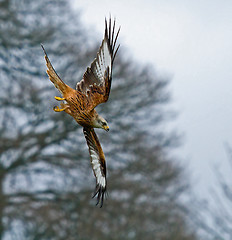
(104, 124)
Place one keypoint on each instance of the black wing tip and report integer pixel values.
(100, 192)
(43, 48)
(109, 18)
(111, 37)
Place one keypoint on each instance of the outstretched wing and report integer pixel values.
(53, 76)
(98, 163)
(96, 82)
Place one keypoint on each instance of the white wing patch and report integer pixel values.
(103, 61)
(98, 163)
(100, 72)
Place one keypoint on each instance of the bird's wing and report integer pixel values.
(96, 82)
(53, 76)
(98, 163)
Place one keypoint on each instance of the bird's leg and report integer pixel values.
(57, 109)
(64, 106)
(59, 98)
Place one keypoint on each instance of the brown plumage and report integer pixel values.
(92, 90)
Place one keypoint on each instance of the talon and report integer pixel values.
(57, 109)
(59, 98)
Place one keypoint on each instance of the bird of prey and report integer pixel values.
(80, 103)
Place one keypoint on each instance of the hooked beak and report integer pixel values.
(107, 128)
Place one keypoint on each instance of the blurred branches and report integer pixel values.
(45, 176)
(213, 216)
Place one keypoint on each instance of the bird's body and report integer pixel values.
(80, 103)
(75, 105)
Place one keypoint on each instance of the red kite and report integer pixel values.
(80, 103)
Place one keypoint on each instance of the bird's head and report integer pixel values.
(100, 122)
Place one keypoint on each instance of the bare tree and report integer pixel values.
(45, 175)
(212, 216)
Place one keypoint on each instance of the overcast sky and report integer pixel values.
(191, 42)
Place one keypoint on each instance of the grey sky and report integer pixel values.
(190, 41)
